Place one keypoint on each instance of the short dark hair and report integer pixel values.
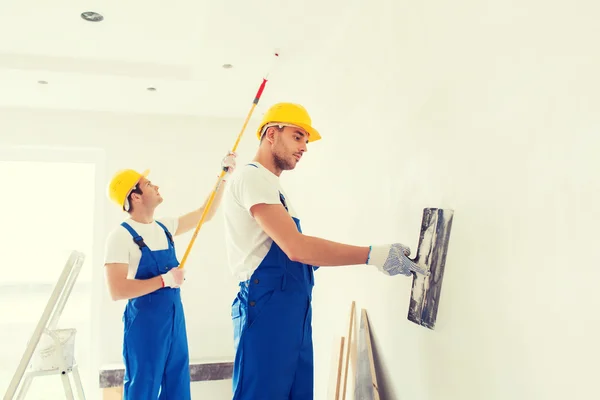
(136, 189)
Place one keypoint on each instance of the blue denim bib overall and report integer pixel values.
(272, 318)
(155, 348)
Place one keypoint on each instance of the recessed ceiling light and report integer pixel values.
(151, 89)
(92, 16)
(227, 66)
(43, 82)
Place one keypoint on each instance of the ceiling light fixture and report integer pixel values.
(151, 89)
(227, 66)
(43, 82)
(92, 16)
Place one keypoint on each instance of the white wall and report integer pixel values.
(491, 110)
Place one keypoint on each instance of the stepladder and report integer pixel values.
(50, 350)
(55, 355)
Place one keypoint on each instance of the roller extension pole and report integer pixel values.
(224, 171)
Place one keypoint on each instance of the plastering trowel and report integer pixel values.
(431, 254)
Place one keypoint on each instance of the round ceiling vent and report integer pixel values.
(92, 16)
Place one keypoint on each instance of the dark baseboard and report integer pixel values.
(199, 372)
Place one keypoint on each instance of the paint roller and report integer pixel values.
(224, 171)
(431, 254)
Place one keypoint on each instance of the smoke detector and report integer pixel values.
(92, 16)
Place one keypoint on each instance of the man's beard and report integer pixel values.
(282, 163)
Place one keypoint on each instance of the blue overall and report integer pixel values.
(155, 348)
(272, 318)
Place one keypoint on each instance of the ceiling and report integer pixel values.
(177, 47)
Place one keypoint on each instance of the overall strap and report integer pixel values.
(136, 238)
(282, 199)
(169, 236)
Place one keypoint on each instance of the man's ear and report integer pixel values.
(135, 197)
(270, 134)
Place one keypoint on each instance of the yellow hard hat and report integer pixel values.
(122, 184)
(289, 114)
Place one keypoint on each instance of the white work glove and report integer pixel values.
(174, 278)
(392, 259)
(228, 163)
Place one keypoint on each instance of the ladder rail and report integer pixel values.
(66, 293)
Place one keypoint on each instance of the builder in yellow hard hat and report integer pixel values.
(274, 263)
(141, 268)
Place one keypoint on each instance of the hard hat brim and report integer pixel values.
(142, 175)
(313, 134)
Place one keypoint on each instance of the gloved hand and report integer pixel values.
(392, 259)
(228, 163)
(174, 278)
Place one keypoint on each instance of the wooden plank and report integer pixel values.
(354, 354)
(365, 387)
(348, 347)
(433, 247)
(336, 369)
(112, 393)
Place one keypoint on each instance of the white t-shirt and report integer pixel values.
(120, 247)
(246, 242)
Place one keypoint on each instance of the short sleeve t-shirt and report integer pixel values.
(246, 242)
(120, 247)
